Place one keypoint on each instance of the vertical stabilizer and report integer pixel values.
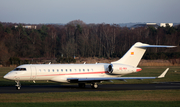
(135, 53)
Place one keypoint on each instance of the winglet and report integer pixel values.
(164, 73)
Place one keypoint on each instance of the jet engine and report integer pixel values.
(120, 69)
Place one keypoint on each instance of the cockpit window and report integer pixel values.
(20, 69)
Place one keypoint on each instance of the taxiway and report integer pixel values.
(102, 87)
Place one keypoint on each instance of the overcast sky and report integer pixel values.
(89, 11)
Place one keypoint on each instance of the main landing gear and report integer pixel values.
(93, 85)
(18, 85)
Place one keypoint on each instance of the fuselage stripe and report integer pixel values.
(82, 73)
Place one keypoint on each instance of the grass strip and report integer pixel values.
(125, 95)
(96, 103)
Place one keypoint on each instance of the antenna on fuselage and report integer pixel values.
(84, 62)
(49, 63)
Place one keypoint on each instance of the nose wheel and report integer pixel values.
(18, 85)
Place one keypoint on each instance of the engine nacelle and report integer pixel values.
(120, 69)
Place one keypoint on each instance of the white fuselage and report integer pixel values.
(60, 72)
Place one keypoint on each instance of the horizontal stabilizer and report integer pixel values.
(135, 53)
(155, 46)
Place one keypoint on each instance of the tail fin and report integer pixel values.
(135, 53)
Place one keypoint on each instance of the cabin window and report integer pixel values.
(70, 70)
(88, 70)
(44, 70)
(57, 70)
(79, 70)
(84, 70)
(20, 69)
(74, 70)
(52, 70)
(66, 70)
(39, 70)
(61, 70)
(91, 69)
(48, 70)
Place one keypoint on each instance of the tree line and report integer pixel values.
(77, 38)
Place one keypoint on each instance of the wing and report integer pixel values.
(98, 79)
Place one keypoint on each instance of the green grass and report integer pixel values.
(121, 95)
(171, 76)
(96, 104)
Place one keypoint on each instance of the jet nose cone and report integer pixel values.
(6, 76)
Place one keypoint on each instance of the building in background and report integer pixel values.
(146, 25)
(27, 26)
(164, 24)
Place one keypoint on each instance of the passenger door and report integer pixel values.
(33, 73)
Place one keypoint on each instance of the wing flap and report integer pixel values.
(107, 78)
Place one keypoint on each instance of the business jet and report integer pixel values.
(85, 73)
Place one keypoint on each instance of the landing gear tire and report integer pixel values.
(94, 85)
(82, 85)
(18, 85)
(18, 88)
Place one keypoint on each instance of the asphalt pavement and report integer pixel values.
(102, 87)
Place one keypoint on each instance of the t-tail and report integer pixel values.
(135, 53)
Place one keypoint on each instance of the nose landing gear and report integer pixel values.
(18, 85)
